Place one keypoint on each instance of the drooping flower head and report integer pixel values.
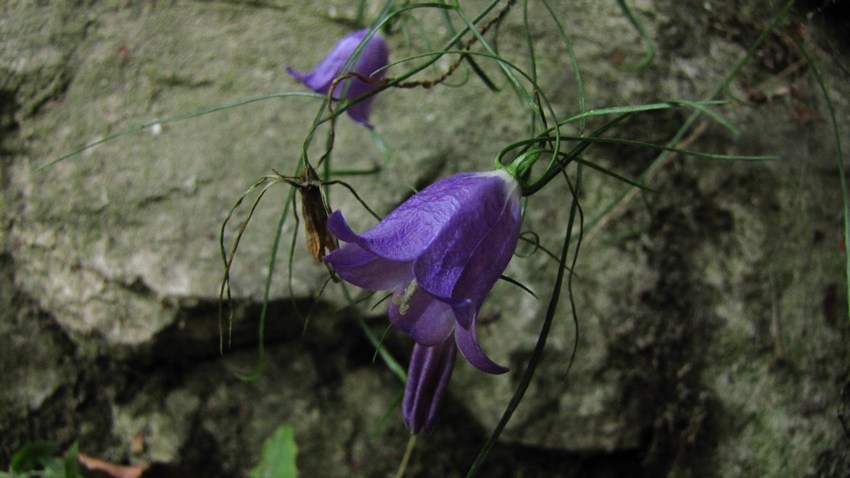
(373, 57)
(440, 252)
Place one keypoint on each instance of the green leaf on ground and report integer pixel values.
(278, 460)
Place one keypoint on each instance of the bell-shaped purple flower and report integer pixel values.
(441, 252)
(373, 57)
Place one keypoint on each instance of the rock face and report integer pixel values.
(711, 310)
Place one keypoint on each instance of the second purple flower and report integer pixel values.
(373, 57)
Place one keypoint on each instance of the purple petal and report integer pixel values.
(359, 112)
(405, 233)
(340, 228)
(427, 378)
(463, 262)
(487, 262)
(467, 342)
(366, 270)
(465, 311)
(320, 79)
(373, 58)
(414, 311)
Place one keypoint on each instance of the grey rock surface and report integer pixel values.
(711, 312)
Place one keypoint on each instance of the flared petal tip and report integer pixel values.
(467, 342)
(295, 73)
(339, 228)
(360, 112)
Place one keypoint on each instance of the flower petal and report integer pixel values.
(427, 378)
(320, 79)
(359, 112)
(364, 269)
(373, 58)
(340, 228)
(405, 233)
(486, 264)
(414, 311)
(468, 256)
(467, 342)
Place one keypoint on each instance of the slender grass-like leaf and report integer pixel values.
(630, 109)
(507, 70)
(176, 119)
(537, 354)
(845, 195)
(671, 149)
(614, 175)
(473, 65)
(582, 100)
(519, 284)
(648, 44)
(689, 122)
(258, 369)
(227, 257)
(390, 361)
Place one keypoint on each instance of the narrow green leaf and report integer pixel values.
(644, 38)
(845, 191)
(386, 356)
(611, 173)
(176, 119)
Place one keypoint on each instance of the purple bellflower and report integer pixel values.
(373, 57)
(441, 252)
